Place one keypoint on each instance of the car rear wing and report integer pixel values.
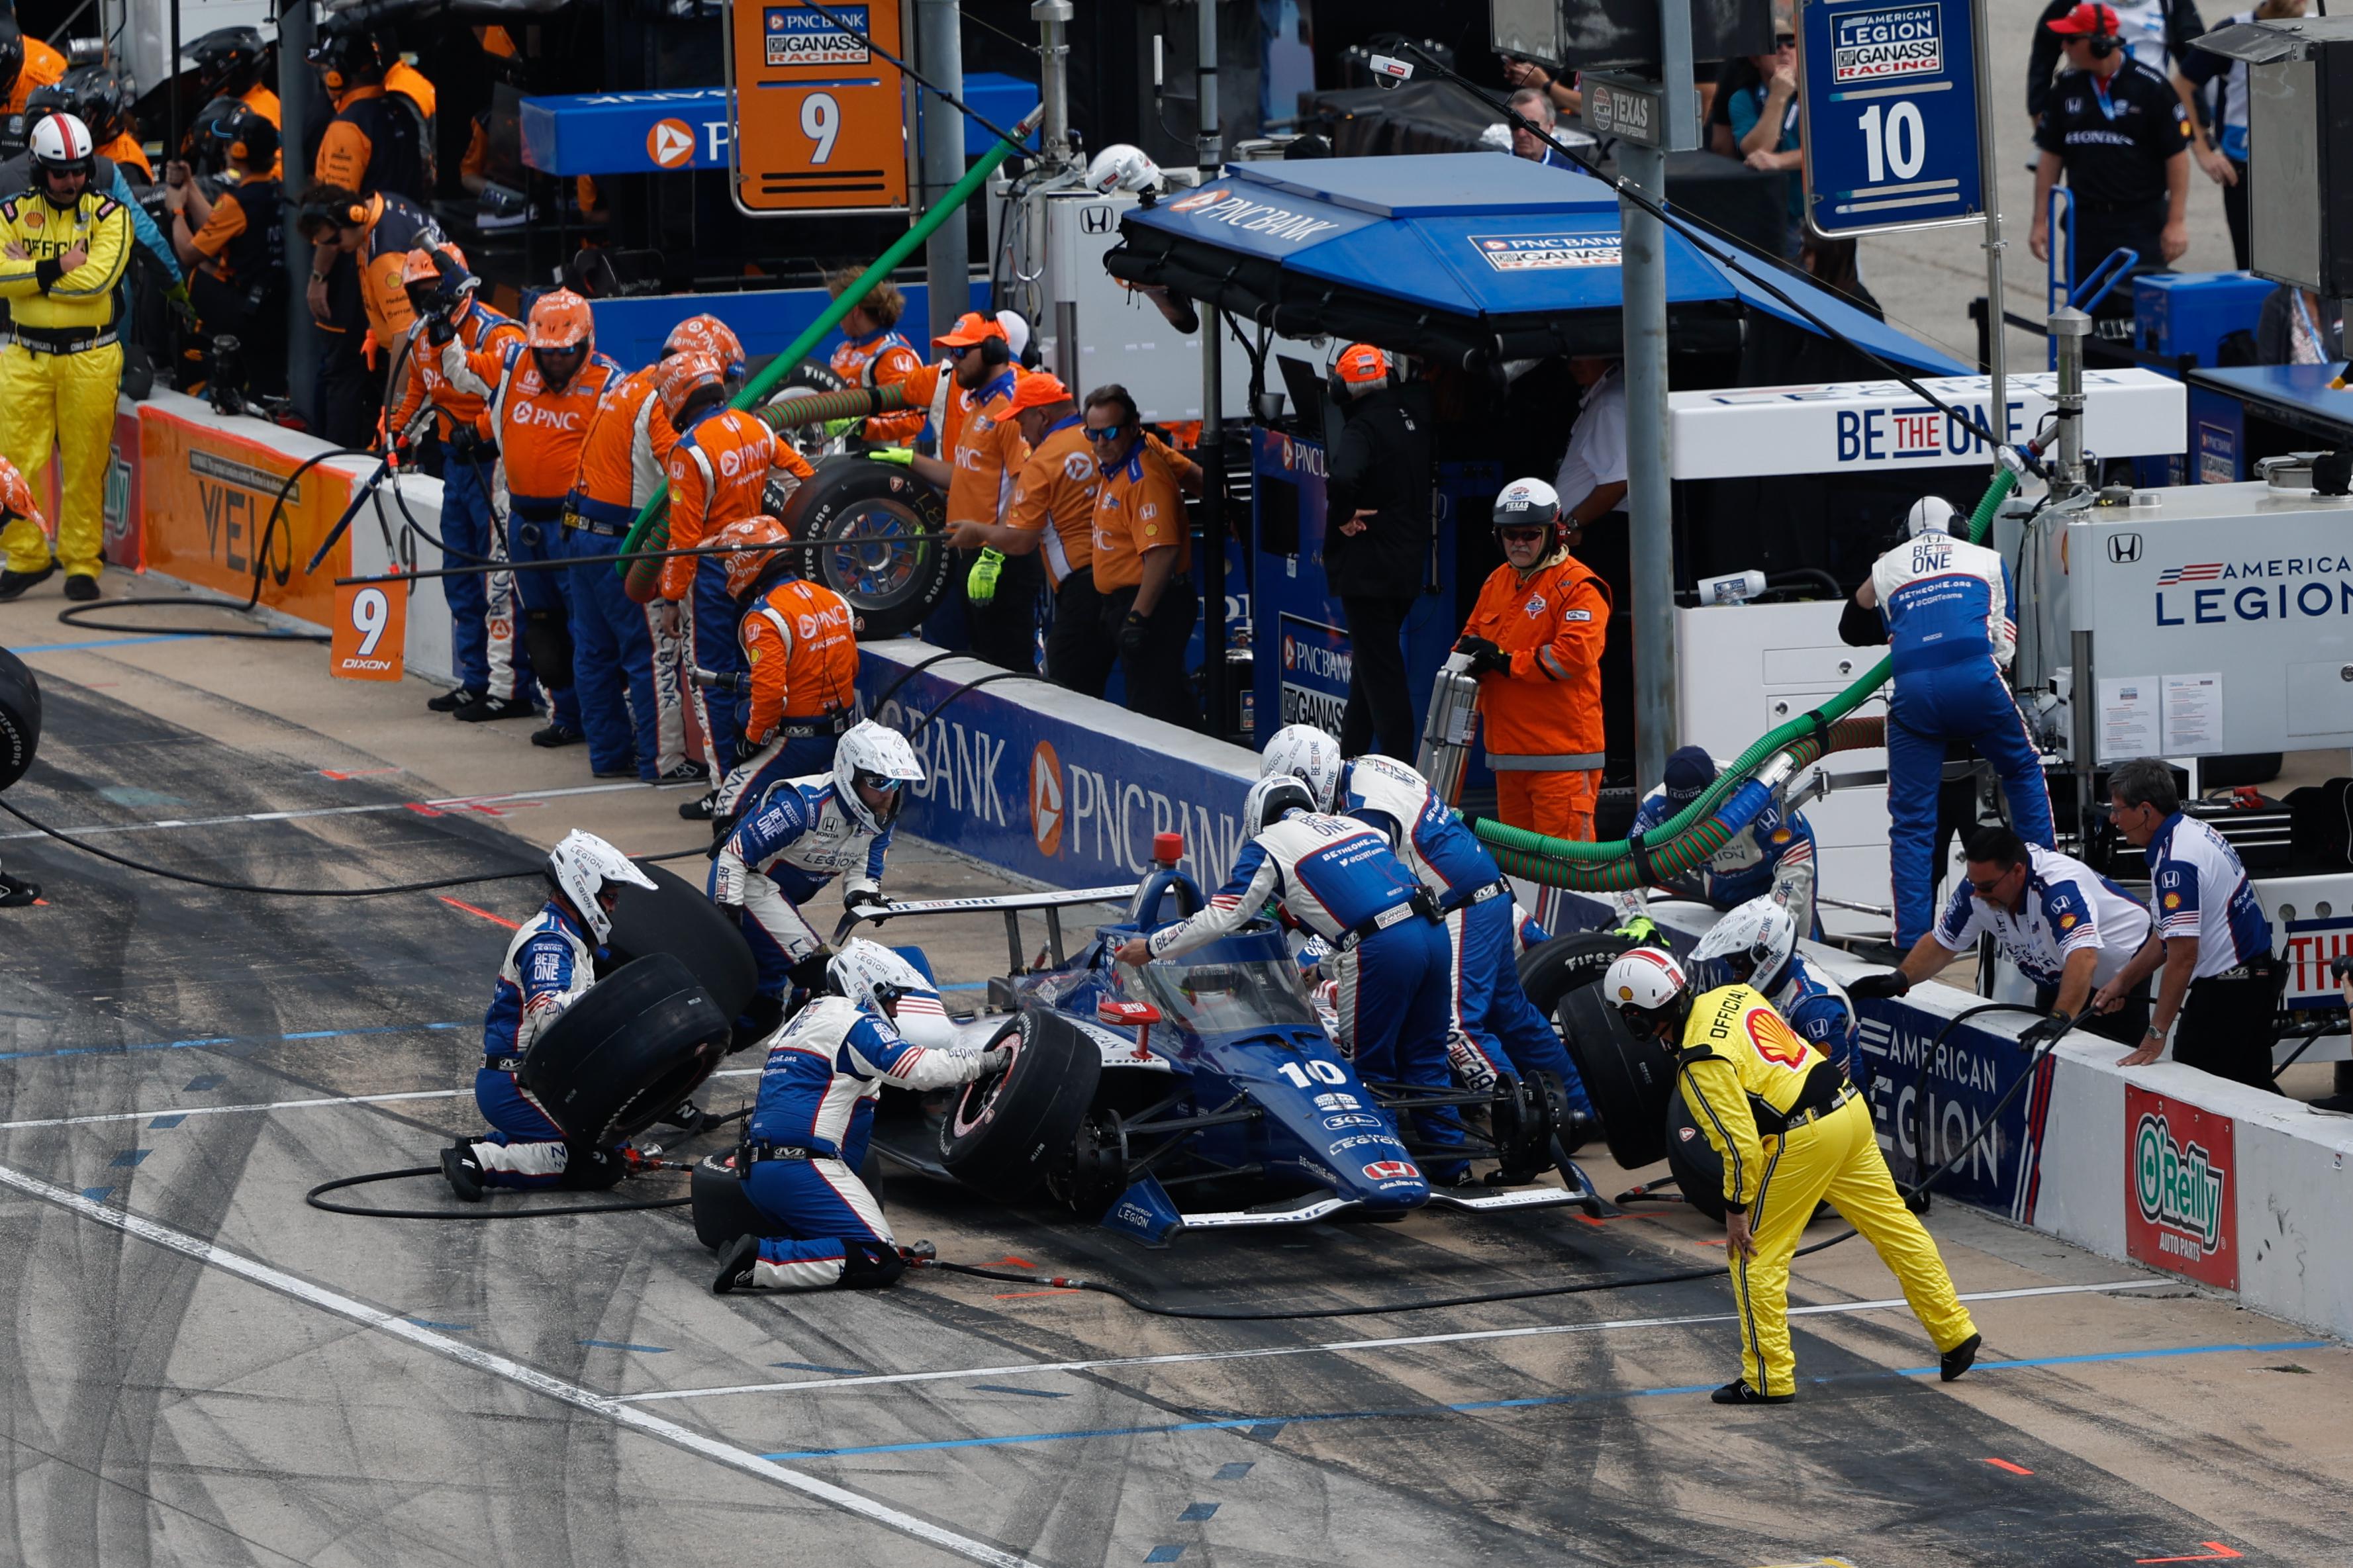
(1010, 905)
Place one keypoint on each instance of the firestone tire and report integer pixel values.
(1005, 1133)
(723, 1210)
(848, 515)
(1627, 1080)
(1698, 1168)
(675, 917)
(627, 1053)
(1551, 970)
(20, 718)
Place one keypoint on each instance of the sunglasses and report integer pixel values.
(1986, 889)
(1522, 536)
(877, 782)
(1108, 433)
(1785, 40)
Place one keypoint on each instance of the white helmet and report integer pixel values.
(1308, 754)
(60, 143)
(1754, 941)
(580, 868)
(1649, 989)
(883, 759)
(1016, 332)
(1270, 798)
(872, 974)
(1930, 514)
(1121, 167)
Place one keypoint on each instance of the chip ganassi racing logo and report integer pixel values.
(1045, 814)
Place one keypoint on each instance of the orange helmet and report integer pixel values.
(707, 334)
(562, 319)
(682, 375)
(425, 265)
(15, 495)
(745, 567)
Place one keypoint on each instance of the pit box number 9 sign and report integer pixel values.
(820, 113)
(1889, 96)
(371, 631)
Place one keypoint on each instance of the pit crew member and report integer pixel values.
(1775, 856)
(1756, 945)
(801, 654)
(874, 353)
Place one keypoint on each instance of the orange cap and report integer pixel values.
(971, 327)
(1038, 389)
(1361, 363)
(562, 319)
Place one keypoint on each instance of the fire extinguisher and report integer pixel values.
(1445, 735)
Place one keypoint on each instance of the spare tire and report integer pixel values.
(848, 515)
(1551, 970)
(630, 1051)
(1698, 1168)
(807, 379)
(1627, 1080)
(676, 917)
(1004, 1133)
(20, 718)
(723, 1210)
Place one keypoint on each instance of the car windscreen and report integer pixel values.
(1221, 998)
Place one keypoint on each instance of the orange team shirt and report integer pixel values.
(923, 384)
(380, 263)
(222, 225)
(344, 149)
(125, 149)
(264, 102)
(1553, 624)
(539, 429)
(1057, 486)
(410, 83)
(801, 645)
(629, 446)
(717, 471)
(43, 67)
(425, 381)
(1138, 509)
(886, 359)
(988, 452)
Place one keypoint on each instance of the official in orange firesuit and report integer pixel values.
(1534, 640)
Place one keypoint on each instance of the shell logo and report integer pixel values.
(1046, 813)
(670, 144)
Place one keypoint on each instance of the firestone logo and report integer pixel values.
(1046, 813)
(2177, 1188)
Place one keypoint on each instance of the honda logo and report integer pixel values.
(2123, 549)
(1095, 220)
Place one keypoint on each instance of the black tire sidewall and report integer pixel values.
(678, 918)
(1627, 1080)
(1002, 1134)
(20, 718)
(630, 1051)
(1698, 1168)
(825, 503)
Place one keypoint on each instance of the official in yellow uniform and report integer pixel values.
(63, 248)
(1791, 1131)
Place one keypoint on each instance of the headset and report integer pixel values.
(251, 139)
(994, 351)
(1339, 391)
(2104, 42)
(337, 213)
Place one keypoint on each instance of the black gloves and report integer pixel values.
(2341, 968)
(439, 329)
(2046, 1031)
(1892, 983)
(808, 973)
(747, 748)
(1130, 636)
(1485, 655)
(864, 898)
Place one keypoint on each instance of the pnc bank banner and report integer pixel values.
(1050, 784)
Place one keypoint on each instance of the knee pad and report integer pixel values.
(548, 639)
(869, 1265)
(593, 1170)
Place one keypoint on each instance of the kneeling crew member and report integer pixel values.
(1756, 945)
(1775, 856)
(549, 964)
(1334, 877)
(1748, 1077)
(807, 832)
(801, 654)
(809, 1133)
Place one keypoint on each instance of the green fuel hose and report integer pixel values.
(1685, 842)
(652, 530)
(824, 408)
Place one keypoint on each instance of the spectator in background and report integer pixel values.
(2299, 327)
(2216, 89)
(1376, 537)
(1533, 104)
(1144, 559)
(1762, 116)
(1835, 264)
(2154, 32)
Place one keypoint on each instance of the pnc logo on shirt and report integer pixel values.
(535, 415)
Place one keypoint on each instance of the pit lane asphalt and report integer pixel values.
(321, 1389)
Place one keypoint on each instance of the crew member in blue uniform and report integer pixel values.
(1775, 856)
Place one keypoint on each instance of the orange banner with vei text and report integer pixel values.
(206, 497)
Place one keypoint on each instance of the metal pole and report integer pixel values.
(2070, 330)
(171, 98)
(1208, 139)
(947, 255)
(1053, 19)
(1997, 359)
(1212, 452)
(294, 112)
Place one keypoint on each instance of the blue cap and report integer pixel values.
(1689, 773)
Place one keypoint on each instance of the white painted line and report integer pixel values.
(451, 804)
(1344, 1347)
(384, 1322)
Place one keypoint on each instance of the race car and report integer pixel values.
(1213, 1074)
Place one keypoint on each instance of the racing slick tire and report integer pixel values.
(1627, 1080)
(1551, 970)
(20, 718)
(848, 516)
(675, 917)
(723, 1210)
(630, 1051)
(806, 379)
(1004, 1133)
(1698, 1168)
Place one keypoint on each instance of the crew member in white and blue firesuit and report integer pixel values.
(1946, 605)
(808, 1130)
(549, 965)
(1775, 856)
(1336, 877)
(1494, 1028)
(1756, 945)
(796, 839)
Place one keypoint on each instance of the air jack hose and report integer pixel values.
(823, 408)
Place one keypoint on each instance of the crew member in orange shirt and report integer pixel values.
(1001, 619)
(1534, 641)
(1143, 560)
(25, 64)
(719, 472)
(874, 353)
(374, 144)
(800, 648)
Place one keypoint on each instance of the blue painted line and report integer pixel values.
(128, 1158)
(1234, 1472)
(429, 1323)
(96, 1195)
(1164, 1554)
(163, 1122)
(103, 642)
(210, 1041)
(617, 1345)
(1258, 1425)
(204, 1081)
(812, 1366)
(1198, 1511)
(1008, 1388)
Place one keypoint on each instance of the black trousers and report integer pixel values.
(1004, 631)
(2127, 1026)
(2097, 234)
(1079, 655)
(349, 394)
(2234, 212)
(1607, 549)
(1155, 674)
(259, 330)
(1380, 708)
(2226, 1025)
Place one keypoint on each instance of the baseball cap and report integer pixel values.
(1689, 773)
(1038, 389)
(970, 327)
(2087, 20)
(1360, 363)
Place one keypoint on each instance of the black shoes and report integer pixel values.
(81, 587)
(555, 735)
(462, 1172)
(17, 893)
(1960, 1358)
(701, 808)
(1738, 1391)
(736, 1265)
(689, 772)
(16, 585)
(482, 709)
(449, 701)
(626, 771)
